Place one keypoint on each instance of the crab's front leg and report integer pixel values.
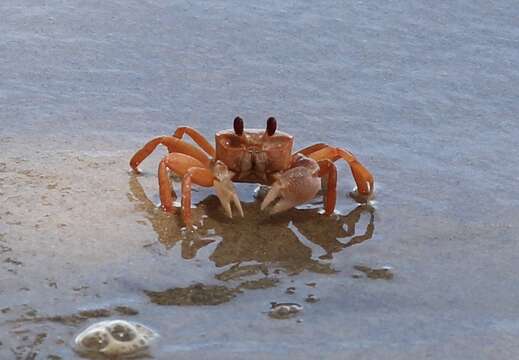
(295, 186)
(193, 171)
(224, 188)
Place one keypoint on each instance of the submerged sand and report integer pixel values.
(425, 95)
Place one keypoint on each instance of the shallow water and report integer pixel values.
(426, 95)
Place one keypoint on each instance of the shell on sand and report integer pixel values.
(115, 337)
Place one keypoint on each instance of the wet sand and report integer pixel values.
(425, 95)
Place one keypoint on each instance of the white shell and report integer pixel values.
(114, 337)
(284, 310)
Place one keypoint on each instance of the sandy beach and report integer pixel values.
(426, 95)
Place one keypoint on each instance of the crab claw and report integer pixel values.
(225, 189)
(294, 187)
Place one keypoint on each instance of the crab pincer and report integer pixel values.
(225, 189)
(295, 186)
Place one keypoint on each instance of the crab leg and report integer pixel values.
(174, 145)
(197, 137)
(328, 169)
(167, 194)
(200, 176)
(181, 164)
(311, 149)
(362, 177)
(194, 171)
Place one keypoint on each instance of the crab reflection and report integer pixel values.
(297, 240)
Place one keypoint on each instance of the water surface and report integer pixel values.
(424, 94)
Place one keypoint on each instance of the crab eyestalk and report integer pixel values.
(271, 126)
(238, 126)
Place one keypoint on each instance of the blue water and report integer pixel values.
(425, 94)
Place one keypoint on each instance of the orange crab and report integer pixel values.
(251, 155)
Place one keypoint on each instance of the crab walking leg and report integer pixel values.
(173, 144)
(200, 176)
(328, 169)
(363, 178)
(311, 149)
(197, 137)
(167, 194)
(180, 164)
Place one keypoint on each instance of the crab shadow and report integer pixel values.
(293, 241)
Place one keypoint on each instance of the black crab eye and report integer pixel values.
(238, 125)
(271, 126)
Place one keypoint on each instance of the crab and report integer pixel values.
(252, 156)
